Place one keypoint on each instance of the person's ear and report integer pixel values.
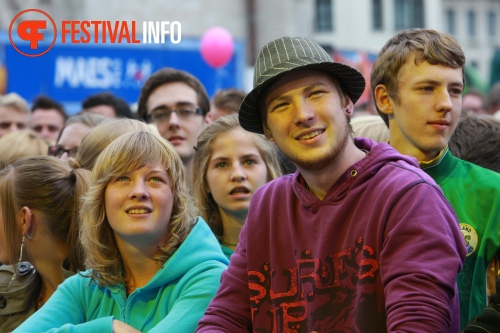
(26, 221)
(348, 106)
(267, 134)
(208, 118)
(382, 99)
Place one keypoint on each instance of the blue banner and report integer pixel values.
(70, 73)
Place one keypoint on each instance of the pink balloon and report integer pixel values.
(217, 47)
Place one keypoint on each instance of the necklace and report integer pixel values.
(40, 302)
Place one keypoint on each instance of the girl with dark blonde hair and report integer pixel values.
(154, 265)
(230, 164)
(39, 241)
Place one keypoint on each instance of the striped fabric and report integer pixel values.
(280, 57)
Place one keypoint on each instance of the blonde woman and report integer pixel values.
(154, 265)
(230, 165)
(102, 135)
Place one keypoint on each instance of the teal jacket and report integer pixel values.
(474, 193)
(173, 301)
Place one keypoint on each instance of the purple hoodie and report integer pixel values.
(380, 253)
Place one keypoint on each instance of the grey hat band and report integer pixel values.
(286, 54)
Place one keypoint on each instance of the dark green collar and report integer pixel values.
(441, 167)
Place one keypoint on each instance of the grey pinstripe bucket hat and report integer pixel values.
(283, 55)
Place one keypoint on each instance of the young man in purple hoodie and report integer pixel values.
(359, 239)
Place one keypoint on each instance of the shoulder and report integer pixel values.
(403, 173)
(81, 280)
(276, 186)
(277, 191)
(26, 274)
(478, 173)
(200, 239)
(280, 182)
(478, 182)
(199, 251)
(16, 295)
(389, 172)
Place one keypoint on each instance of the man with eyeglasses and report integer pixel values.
(177, 103)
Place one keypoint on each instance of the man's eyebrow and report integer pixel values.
(177, 105)
(309, 87)
(436, 82)
(182, 103)
(277, 99)
(316, 83)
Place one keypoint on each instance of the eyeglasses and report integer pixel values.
(59, 150)
(161, 115)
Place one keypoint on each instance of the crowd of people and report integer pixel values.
(276, 210)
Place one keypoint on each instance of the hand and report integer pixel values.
(121, 327)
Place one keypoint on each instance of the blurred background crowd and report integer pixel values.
(74, 100)
(352, 31)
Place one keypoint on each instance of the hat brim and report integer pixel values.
(250, 117)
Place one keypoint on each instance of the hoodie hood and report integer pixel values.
(199, 251)
(378, 155)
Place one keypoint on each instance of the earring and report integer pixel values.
(21, 251)
(349, 111)
(18, 263)
(28, 236)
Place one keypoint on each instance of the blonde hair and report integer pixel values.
(371, 127)
(89, 119)
(17, 144)
(53, 189)
(130, 152)
(206, 203)
(102, 135)
(229, 99)
(15, 101)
